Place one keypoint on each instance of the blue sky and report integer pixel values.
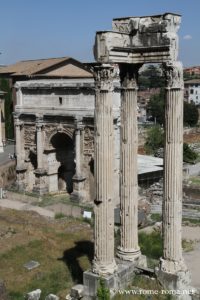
(31, 29)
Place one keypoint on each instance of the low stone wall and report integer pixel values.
(191, 194)
(67, 209)
(7, 173)
(21, 197)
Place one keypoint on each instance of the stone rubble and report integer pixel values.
(34, 295)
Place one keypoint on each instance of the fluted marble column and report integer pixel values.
(20, 168)
(129, 248)
(78, 194)
(39, 145)
(18, 138)
(172, 260)
(1, 142)
(104, 262)
(40, 186)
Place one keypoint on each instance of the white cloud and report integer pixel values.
(187, 37)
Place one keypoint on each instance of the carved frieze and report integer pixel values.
(88, 141)
(51, 129)
(29, 135)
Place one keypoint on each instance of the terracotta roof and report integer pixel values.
(47, 67)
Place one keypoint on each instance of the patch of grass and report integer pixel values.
(156, 217)
(187, 245)
(191, 221)
(151, 244)
(60, 215)
(63, 249)
(195, 180)
(52, 199)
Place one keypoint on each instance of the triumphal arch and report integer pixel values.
(132, 42)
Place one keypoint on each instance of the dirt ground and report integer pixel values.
(192, 258)
(63, 247)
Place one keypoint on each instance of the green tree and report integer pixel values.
(156, 107)
(155, 139)
(191, 114)
(4, 86)
(189, 155)
(151, 77)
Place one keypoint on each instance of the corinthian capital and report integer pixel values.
(174, 75)
(104, 77)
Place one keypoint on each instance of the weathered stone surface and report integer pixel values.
(34, 295)
(172, 260)
(31, 265)
(139, 40)
(77, 291)
(104, 262)
(129, 248)
(52, 297)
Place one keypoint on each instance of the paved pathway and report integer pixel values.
(192, 258)
(187, 213)
(4, 157)
(6, 203)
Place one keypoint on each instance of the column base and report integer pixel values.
(40, 187)
(78, 194)
(128, 254)
(171, 266)
(40, 190)
(21, 180)
(173, 275)
(118, 280)
(104, 269)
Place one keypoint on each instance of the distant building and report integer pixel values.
(192, 70)
(192, 91)
(143, 100)
(54, 127)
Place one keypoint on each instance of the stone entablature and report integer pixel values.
(63, 108)
(150, 39)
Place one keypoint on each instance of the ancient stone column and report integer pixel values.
(172, 260)
(40, 186)
(1, 142)
(19, 149)
(39, 145)
(78, 194)
(104, 262)
(129, 248)
(18, 138)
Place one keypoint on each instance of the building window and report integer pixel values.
(191, 91)
(197, 97)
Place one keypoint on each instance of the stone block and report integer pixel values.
(34, 295)
(77, 291)
(52, 297)
(120, 279)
